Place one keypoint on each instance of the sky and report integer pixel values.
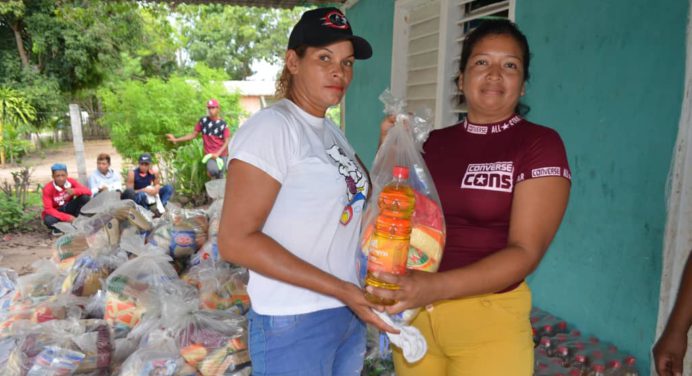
(264, 71)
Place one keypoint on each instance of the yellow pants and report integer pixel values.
(485, 335)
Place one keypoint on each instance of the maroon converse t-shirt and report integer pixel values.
(475, 168)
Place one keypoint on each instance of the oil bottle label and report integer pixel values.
(387, 255)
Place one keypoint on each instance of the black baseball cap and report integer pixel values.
(322, 26)
(145, 158)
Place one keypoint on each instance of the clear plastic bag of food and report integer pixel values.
(55, 361)
(209, 252)
(212, 342)
(130, 286)
(407, 214)
(90, 268)
(182, 232)
(8, 287)
(152, 362)
(224, 288)
(100, 231)
(110, 203)
(42, 309)
(90, 338)
(44, 281)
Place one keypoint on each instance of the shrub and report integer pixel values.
(13, 216)
(183, 168)
(141, 113)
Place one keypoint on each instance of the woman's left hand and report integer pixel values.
(416, 289)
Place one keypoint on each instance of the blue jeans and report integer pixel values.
(165, 193)
(323, 343)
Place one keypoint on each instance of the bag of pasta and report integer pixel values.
(409, 205)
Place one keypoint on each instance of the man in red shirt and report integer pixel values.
(63, 198)
(215, 136)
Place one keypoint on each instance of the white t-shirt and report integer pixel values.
(317, 212)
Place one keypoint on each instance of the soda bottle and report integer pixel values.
(579, 362)
(546, 344)
(597, 369)
(613, 368)
(630, 369)
(388, 248)
(563, 353)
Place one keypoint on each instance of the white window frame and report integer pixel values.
(451, 18)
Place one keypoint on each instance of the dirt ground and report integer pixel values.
(19, 250)
(41, 164)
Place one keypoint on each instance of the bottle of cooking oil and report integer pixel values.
(388, 248)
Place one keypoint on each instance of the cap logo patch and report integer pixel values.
(335, 20)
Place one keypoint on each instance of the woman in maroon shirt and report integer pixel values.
(504, 185)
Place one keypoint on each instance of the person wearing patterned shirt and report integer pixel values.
(504, 184)
(215, 136)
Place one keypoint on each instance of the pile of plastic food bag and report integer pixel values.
(111, 300)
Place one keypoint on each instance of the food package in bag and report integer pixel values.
(209, 252)
(153, 361)
(212, 342)
(31, 342)
(90, 269)
(55, 361)
(100, 231)
(44, 281)
(402, 147)
(66, 249)
(42, 309)
(95, 340)
(8, 287)
(183, 232)
(134, 283)
(224, 288)
(123, 210)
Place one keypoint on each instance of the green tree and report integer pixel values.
(15, 112)
(54, 51)
(160, 42)
(233, 37)
(75, 41)
(140, 113)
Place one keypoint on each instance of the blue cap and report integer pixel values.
(58, 167)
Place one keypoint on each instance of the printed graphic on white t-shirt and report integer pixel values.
(356, 184)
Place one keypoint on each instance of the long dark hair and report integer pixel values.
(495, 26)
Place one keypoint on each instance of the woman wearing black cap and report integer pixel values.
(294, 198)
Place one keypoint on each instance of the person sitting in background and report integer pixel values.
(63, 198)
(143, 185)
(104, 178)
(669, 351)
